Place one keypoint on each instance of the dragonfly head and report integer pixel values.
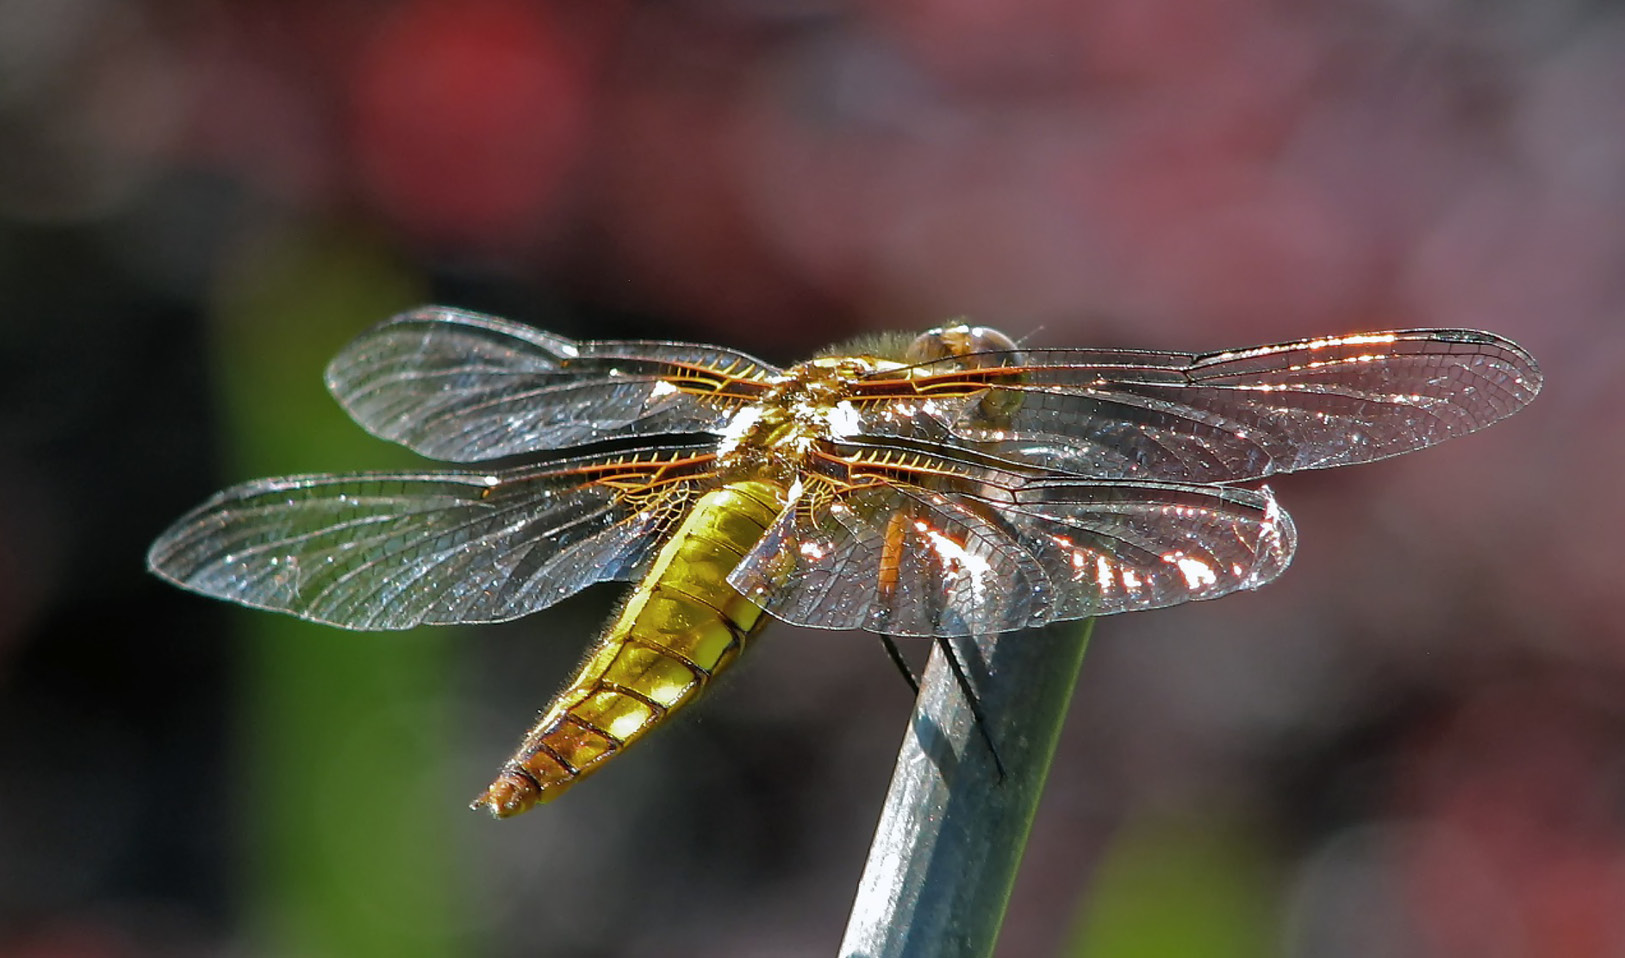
(968, 347)
(953, 349)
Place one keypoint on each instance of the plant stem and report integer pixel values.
(952, 832)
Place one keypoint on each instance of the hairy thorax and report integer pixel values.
(776, 437)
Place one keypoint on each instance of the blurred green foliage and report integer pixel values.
(1179, 890)
(344, 736)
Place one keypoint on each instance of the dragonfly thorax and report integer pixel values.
(811, 403)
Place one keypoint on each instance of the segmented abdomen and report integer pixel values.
(681, 626)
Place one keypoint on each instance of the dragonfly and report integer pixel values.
(949, 484)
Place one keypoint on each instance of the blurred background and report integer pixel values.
(1410, 745)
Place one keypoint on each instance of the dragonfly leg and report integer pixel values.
(971, 700)
(896, 655)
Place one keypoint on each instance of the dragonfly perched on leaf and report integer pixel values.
(950, 485)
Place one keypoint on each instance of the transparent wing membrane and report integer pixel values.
(949, 548)
(1218, 417)
(463, 387)
(395, 550)
(980, 490)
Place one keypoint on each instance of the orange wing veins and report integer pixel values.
(711, 382)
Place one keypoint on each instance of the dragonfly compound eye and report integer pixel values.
(970, 347)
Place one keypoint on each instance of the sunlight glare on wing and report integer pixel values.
(1361, 339)
(1346, 360)
(954, 556)
(1078, 558)
(1198, 574)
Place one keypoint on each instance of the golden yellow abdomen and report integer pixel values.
(682, 625)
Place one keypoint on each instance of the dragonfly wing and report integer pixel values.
(1111, 547)
(464, 387)
(893, 559)
(1220, 417)
(996, 551)
(391, 551)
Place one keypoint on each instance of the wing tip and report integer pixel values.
(1277, 543)
(1526, 371)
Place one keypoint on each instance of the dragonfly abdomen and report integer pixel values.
(681, 626)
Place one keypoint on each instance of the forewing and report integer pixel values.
(465, 387)
(994, 551)
(1215, 417)
(395, 550)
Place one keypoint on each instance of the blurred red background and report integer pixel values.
(1411, 744)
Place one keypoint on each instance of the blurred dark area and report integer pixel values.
(1412, 744)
